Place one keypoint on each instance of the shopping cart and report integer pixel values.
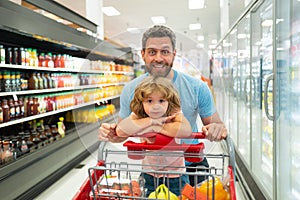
(124, 180)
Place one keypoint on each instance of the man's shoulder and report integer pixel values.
(191, 80)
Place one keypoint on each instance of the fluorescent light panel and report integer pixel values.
(195, 26)
(200, 37)
(196, 4)
(110, 11)
(158, 20)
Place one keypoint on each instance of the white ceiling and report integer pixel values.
(138, 13)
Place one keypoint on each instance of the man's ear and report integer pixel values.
(143, 53)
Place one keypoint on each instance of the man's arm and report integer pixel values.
(214, 127)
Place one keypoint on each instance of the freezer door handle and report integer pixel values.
(268, 80)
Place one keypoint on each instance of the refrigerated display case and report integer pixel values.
(287, 79)
(20, 27)
(266, 95)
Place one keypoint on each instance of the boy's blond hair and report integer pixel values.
(155, 84)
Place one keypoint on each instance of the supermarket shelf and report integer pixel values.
(25, 119)
(79, 70)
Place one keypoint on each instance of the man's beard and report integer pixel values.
(162, 71)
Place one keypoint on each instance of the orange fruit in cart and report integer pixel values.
(220, 192)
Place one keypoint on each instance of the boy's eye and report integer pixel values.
(162, 101)
(149, 100)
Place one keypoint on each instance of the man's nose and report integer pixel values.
(158, 56)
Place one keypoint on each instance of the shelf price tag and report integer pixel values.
(15, 97)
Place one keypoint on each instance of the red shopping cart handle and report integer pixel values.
(166, 143)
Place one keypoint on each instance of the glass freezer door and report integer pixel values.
(262, 98)
(288, 105)
(243, 71)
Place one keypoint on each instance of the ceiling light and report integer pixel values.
(214, 41)
(110, 11)
(200, 45)
(133, 30)
(196, 4)
(200, 37)
(196, 26)
(158, 20)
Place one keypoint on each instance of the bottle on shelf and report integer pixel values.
(6, 81)
(49, 61)
(33, 82)
(18, 81)
(2, 54)
(17, 109)
(12, 81)
(29, 106)
(1, 114)
(61, 127)
(42, 60)
(36, 108)
(12, 109)
(22, 108)
(40, 81)
(7, 154)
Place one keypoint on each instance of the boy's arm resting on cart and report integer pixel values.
(174, 126)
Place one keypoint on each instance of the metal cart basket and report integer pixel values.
(125, 180)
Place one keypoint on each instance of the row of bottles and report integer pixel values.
(90, 115)
(16, 80)
(35, 136)
(25, 106)
(31, 57)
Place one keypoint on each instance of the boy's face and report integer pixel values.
(155, 105)
(158, 56)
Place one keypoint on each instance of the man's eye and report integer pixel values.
(152, 52)
(165, 52)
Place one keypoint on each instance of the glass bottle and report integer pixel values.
(5, 110)
(45, 81)
(1, 113)
(49, 60)
(24, 147)
(7, 153)
(30, 106)
(54, 131)
(61, 127)
(21, 106)
(14, 148)
(42, 136)
(48, 133)
(35, 139)
(17, 109)
(2, 54)
(33, 83)
(12, 81)
(40, 81)
(12, 109)
(42, 60)
(6, 81)
(29, 143)
(18, 81)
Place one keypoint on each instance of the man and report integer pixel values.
(158, 52)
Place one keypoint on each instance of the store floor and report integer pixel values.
(68, 185)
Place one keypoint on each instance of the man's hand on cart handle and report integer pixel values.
(107, 132)
(215, 131)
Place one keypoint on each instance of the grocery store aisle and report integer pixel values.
(69, 184)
